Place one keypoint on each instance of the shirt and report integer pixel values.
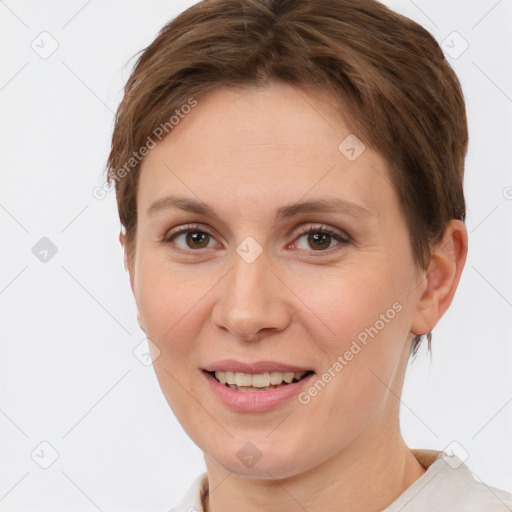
(447, 486)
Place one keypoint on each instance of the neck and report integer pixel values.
(362, 476)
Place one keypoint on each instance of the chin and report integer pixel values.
(261, 460)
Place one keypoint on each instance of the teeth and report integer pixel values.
(276, 378)
(288, 377)
(243, 379)
(259, 380)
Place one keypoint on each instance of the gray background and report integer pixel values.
(72, 366)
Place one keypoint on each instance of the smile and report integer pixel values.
(257, 382)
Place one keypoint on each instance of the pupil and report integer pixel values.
(315, 237)
(196, 237)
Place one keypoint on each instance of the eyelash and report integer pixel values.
(342, 239)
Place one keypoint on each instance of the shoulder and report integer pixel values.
(449, 486)
(192, 500)
(475, 496)
(467, 493)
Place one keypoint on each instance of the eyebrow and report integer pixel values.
(331, 204)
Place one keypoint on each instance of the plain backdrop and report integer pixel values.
(84, 425)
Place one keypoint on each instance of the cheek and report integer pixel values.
(351, 301)
(367, 325)
(170, 309)
(169, 303)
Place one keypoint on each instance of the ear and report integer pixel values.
(122, 240)
(441, 278)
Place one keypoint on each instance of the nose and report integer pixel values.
(251, 301)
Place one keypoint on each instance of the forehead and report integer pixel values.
(266, 144)
(277, 114)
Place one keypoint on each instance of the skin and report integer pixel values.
(296, 303)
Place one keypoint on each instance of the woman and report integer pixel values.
(289, 178)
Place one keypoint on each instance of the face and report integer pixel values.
(234, 273)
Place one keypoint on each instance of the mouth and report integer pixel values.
(249, 382)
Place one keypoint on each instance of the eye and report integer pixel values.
(320, 238)
(193, 236)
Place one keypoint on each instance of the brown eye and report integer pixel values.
(319, 239)
(196, 239)
(193, 238)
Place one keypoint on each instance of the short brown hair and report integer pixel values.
(398, 93)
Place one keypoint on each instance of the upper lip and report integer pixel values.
(254, 367)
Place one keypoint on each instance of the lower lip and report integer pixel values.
(255, 401)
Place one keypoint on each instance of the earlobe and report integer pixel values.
(139, 321)
(122, 240)
(441, 277)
